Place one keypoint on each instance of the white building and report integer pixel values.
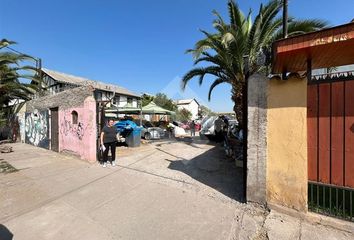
(191, 105)
(55, 82)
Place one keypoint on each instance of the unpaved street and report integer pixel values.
(162, 190)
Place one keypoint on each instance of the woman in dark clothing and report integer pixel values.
(109, 140)
(192, 127)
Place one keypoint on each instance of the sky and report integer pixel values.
(140, 44)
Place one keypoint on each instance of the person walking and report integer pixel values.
(192, 127)
(109, 141)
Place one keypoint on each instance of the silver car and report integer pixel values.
(150, 132)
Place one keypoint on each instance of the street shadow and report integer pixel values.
(190, 141)
(213, 169)
(5, 233)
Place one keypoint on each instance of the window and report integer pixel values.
(74, 117)
(116, 100)
(129, 101)
(99, 96)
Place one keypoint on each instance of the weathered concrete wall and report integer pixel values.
(287, 143)
(21, 122)
(79, 138)
(257, 142)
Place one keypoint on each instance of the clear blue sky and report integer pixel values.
(136, 44)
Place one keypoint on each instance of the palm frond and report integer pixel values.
(200, 72)
(225, 49)
(217, 82)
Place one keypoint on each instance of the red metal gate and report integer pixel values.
(330, 120)
(330, 123)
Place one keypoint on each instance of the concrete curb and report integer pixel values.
(314, 218)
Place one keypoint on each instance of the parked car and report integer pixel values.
(149, 131)
(198, 127)
(185, 126)
(207, 128)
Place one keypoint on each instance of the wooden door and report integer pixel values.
(54, 129)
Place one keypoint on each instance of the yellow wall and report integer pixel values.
(287, 143)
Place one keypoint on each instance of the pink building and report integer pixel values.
(68, 117)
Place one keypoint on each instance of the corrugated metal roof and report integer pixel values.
(80, 81)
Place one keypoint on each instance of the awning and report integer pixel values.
(152, 108)
(123, 110)
(110, 115)
(326, 48)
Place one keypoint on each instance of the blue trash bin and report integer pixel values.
(133, 138)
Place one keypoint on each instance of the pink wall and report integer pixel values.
(80, 138)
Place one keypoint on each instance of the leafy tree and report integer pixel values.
(12, 85)
(234, 51)
(163, 101)
(183, 115)
(146, 99)
(205, 111)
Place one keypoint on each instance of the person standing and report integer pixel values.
(192, 127)
(109, 141)
(170, 129)
(218, 127)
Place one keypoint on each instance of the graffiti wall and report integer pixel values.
(37, 128)
(77, 130)
(70, 129)
(22, 124)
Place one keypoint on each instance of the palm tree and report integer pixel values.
(233, 53)
(11, 73)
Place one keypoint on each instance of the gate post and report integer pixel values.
(257, 139)
(277, 142)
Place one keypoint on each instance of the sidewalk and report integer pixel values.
(55, 196)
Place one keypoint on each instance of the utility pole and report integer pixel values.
(285, 28)
(285, 18)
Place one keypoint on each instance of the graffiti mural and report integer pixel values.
(78, 130)
(37, 128)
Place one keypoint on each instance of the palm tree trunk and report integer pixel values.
(237, 98)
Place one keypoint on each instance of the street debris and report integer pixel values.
(5, 149)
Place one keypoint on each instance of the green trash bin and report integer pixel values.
(133, 138)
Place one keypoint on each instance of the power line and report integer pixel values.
(14, 50)
(38, 60)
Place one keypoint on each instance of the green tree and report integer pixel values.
(146, 99)
(183, 115)
(12, 79)
(205, 111)
(239, 45)
(163, 101)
